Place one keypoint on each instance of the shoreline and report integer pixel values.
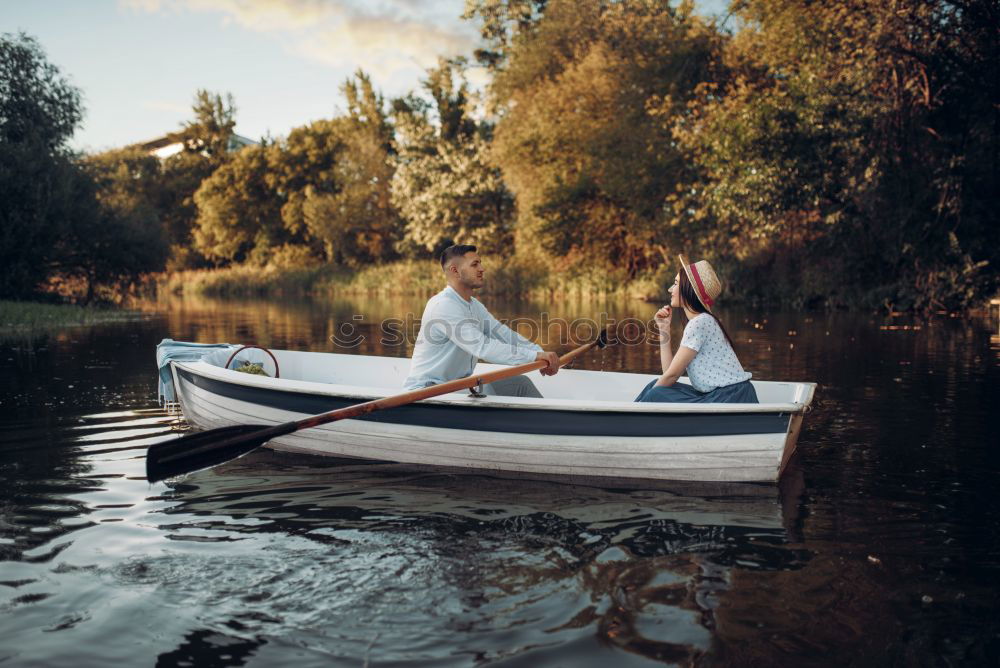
(404, 278)
(401, 278)
(22, 316)
(515, 278)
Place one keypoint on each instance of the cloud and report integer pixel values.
(385, 45)
(260, 15)
(389, 38)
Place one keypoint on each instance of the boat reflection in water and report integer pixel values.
(551, 569)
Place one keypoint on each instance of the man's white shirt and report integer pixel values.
(455, 334)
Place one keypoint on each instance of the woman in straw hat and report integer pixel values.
(705, 352)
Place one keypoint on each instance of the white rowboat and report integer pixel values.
(585, 424)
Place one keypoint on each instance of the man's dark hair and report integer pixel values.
(451, 252)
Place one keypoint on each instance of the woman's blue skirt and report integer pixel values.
(737, 393)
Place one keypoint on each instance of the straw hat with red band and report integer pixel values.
(707, 286)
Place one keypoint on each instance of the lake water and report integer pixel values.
(881, 546)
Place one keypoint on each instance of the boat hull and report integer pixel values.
(699, 446)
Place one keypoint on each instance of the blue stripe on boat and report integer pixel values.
(513, 420)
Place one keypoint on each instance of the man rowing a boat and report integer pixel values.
(456, 331)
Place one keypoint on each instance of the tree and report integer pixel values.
(113, 243)
(211, 129)
(239, 212)
(444, 185)
(206, 137)
(180, 177)
(501, 22)
(306, 162)
(586, 97)
(336, 177)
(849, 151)
(95, 219)
(39, 111)
(357, 224)
(37, 104)
(127, 172)
(322, 192)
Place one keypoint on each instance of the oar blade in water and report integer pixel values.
(188, 453)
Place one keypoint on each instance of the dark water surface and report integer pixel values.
(880, 547)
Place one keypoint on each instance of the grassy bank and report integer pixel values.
(246, 281)
(515, 278)
(17, 316)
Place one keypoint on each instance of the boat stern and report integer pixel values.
(803, 397)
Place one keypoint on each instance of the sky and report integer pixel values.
(139, 62)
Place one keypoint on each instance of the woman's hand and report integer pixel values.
(662, 319)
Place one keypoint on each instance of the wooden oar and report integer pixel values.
(215, 446)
